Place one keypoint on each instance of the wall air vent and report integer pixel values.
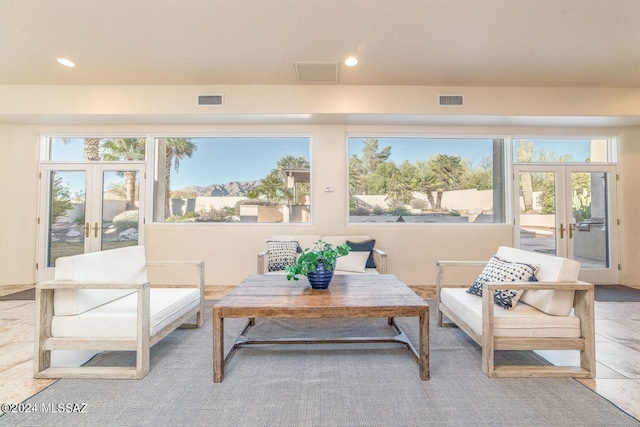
(210, 100)
(451, 100)
(317, 72)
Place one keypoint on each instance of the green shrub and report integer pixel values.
(126, 220)
(190, 215)
(213, 215)
(359, 211)
(377, 210)
(419, 204)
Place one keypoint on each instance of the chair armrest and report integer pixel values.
(583, 305)
(380, 258)
(440, 267)
(69, 284)
(199, 265)
(263, 261)
(554, 286)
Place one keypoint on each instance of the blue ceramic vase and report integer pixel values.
(321, 278)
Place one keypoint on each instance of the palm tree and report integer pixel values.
(426, 180)
(274, 187)
(449, 170)
(92, 149)
(128, 149)
(524, 153)
(398, 190)
(291, 162)
(175, 150)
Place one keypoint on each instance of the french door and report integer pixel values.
(88, 208)
(569, 211)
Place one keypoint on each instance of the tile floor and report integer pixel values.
(617, 350)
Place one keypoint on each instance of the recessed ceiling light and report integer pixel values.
(66, 62)
(351, 61)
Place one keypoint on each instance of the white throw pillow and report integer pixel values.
(354, 262)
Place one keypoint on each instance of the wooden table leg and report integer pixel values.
(218, 346)
(424, 344)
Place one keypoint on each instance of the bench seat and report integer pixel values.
(555, 311)
(103, 301)
(522, 321)
(118, 318)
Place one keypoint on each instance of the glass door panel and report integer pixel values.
(65, 228)
(588, 233)
(87, 208)
(120, 214)
(537, 211)
(569, 211)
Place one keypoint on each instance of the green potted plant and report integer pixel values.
(318, 264)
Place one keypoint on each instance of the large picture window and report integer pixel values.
(426, 180)
(233, 180)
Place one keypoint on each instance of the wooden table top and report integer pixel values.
(370, 295)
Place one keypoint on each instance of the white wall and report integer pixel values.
(230, 250)
(130, 104)
(629, 204)
(18, 182)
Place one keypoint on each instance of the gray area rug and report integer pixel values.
(321, 385)
(28, 294)
(616, 293)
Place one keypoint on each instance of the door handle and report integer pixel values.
(571, 231)
(95, 230)
(87, 230)
(562, 231)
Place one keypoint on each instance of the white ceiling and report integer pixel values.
(560, 43)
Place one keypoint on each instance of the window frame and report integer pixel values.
(152, 160)
(506, 141)
(612, 145)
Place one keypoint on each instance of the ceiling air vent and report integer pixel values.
(211, 100)
(317, 72)
(451, 100)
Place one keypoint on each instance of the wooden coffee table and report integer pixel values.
(369, 295)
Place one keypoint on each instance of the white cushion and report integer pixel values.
(119, 318)
(354, 262)
(115, 265)
(552, 269)
(521, 321)
(366, 271)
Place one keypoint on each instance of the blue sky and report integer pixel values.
(224, 159)
(413, 149)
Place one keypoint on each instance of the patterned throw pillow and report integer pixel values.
(498, 270)
(281, 254)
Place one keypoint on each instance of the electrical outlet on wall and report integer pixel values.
(328, 188)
